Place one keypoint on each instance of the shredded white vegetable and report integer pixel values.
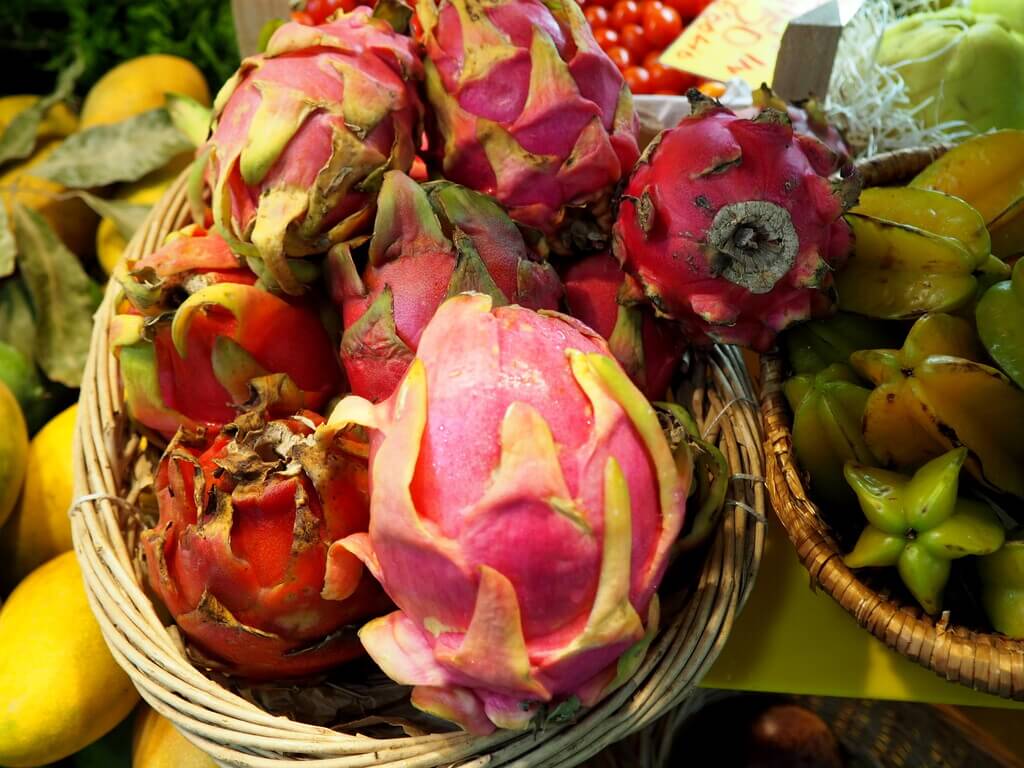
(868, 102)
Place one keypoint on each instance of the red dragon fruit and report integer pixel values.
(242, 555)
(523, 503)
(428, 243)
(195, 328)
(732, 226)
(303, 134)
(808, 117)
(529, 109)
(604, 297)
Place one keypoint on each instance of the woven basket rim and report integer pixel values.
(988, 662)
(236, 732)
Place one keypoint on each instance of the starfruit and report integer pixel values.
(827, 411)
(934, 394)
(1000, 318)
(919, 524)
(1002, 585)
(817, 344)
(916, 251)
(987, 172)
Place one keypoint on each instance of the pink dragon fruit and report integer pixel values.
(732, 226)
(530, 110)
(808, 118)
(428, 243)
(195, 328)
(523, 503)
(604, 297)
(303, 134)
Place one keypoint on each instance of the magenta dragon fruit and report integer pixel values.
(303, 134)
(523, 503)
(611, 302)
(529, 109)
(429, 242)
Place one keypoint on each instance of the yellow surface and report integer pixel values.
(40, 528)
(789, 639)
(141, 84)
(60, 689)
(157, 744)
(13, 451)
(58, 122)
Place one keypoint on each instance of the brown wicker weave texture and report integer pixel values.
(985, 662)
(236, 732)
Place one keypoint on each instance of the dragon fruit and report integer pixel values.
(428, 243)
(808, 118)
(529, 109)
(733, 227)
(242, 555)
(303, 134)
(604, 297)
(523, 503)
(195, 328)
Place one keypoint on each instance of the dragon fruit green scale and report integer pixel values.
(303, 134)
(523, 503)
(529, 109)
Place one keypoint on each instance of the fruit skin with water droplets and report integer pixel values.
(529, 109)
(242, 554)
(521, 516)
(429, 242)
(601, 295)
(302, 135)
(732, 226)
(195, 327)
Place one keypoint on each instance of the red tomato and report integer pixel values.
(651, 59)
(638, 79)
(688, 9)
(603, 3)
(606, 38)
(669, 79)
(303, 18)
(597, 16)
(317, 10)
(625, 12)
(634, 40)
(646, 5)
(619, 56)
(662, 25)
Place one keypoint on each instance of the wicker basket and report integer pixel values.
(698, 613)
(985, 662)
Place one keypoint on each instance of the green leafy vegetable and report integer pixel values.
(19, 139)
(127, 217)
(63, 297)
(190, 117)
(124, 151)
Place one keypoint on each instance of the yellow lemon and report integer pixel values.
(157, 744)
(141, 84)
(60, 689)
(58, 122)
(40, 528)
(70, 218)
(146, 191)
(13, 451)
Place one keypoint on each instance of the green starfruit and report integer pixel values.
(1002, 585)
(919, 524)
(1000, 318)
(817, 344)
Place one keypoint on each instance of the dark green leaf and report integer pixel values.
(127, 217)
(19, 139)
(190, 117)
(124, 151)
(7, 246)
(63, 297)
(17, 320)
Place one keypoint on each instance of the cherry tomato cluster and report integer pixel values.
(634, 33)
(318, 11)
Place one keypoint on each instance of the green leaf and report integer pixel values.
(127, 217)
(190, 117)
(63, 296)
(17, 320)
(19, 139)
(8, 249)
(124, 151)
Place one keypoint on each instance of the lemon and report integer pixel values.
(146, 191)
(157, 744)
(58, 122)
(141, 84)
(72, 220)
(13, 451)
(40, 527)
(60, 689)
